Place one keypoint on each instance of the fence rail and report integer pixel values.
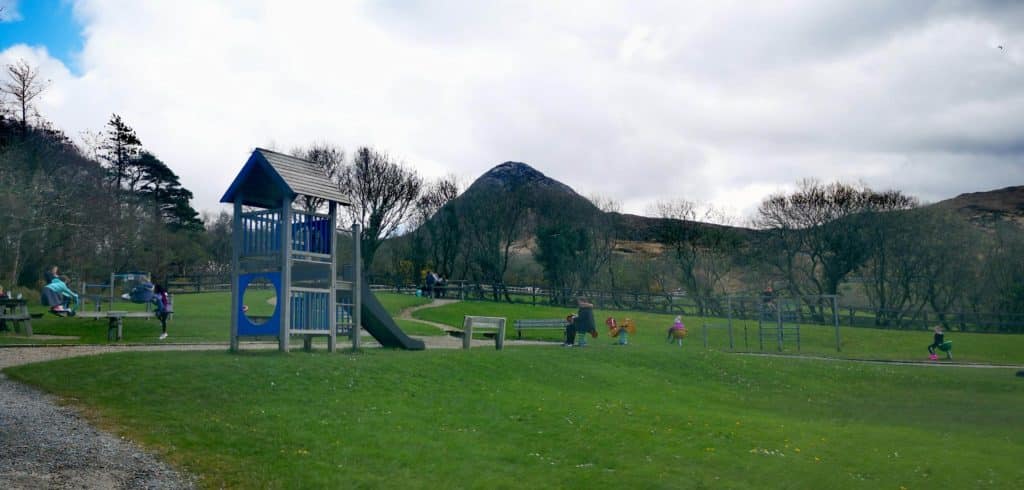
(676, 303)
(673, 303)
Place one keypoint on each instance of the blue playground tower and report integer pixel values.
(304, 273)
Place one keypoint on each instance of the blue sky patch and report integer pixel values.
(49, 23)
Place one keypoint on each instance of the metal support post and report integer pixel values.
(284, 303)
(332, 297)
(357, 286)
(236, 238)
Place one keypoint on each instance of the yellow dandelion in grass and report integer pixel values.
(817, 459)
(797, 449)
(709, 449)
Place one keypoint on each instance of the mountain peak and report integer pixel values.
(514, 175)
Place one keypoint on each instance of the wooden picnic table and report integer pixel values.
(115, 319)
(16, 312)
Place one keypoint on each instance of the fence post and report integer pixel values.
(467, 332)
(731, 344)
(835, 319)
(778, 315)
(728, 315)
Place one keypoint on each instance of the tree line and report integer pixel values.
(105, 204)
(108, 204)
(882, 250)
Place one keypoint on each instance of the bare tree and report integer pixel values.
(383, 193)
(91, 144)
(327, 157)
(438, 229)
(494, 223)
(703, 252)
(815, 236)
(24, 85)
(575, 241)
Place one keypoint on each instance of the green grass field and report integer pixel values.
(647, 415)
(859, 343)
(197, 318)
(204, 318)
(642, 416)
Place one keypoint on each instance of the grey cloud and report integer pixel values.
(638, 100)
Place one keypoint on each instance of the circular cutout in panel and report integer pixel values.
(259, 301)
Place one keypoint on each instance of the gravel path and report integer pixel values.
(44, 445)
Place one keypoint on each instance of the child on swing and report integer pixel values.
(56, 294)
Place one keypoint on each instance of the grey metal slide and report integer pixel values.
(382, 327)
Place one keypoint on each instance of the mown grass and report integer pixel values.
(643, 416)
(862, 343)
(197, 318)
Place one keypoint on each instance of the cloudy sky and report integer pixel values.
(638, 101)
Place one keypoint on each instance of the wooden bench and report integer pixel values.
(469, 323)
(545, 323)
(16, 312)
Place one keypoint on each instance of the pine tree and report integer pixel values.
(119, 150)
(159, 185)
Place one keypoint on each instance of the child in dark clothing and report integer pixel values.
(937, 342)
(570, 330)
(163, 307)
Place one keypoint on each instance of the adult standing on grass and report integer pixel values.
(431, 281)
(585, 320)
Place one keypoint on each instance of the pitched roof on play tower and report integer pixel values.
(268, 176)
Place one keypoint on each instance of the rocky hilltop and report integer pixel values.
(541, 192)
(988, 207)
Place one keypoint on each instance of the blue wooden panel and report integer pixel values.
(272, 327)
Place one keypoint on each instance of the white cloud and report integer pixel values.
(640, 102)
(9, 11)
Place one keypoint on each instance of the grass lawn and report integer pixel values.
(648, 415)
(197, 318)
(861, 343)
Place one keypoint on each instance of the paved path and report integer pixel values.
(452, 342)
(406, 314)
(890, 362)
